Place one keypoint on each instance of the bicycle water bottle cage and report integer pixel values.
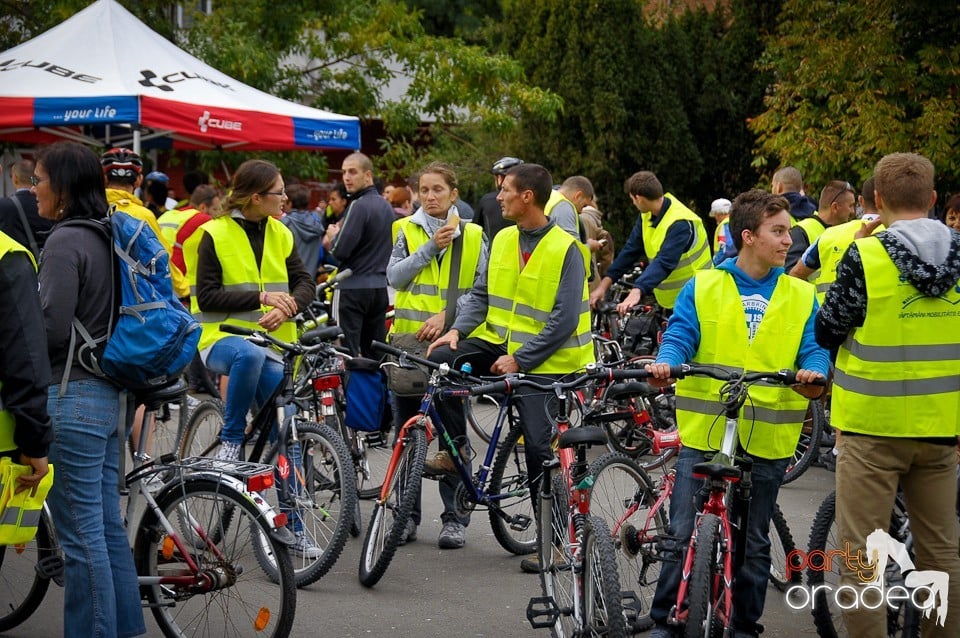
(586, 435)
(719, 467)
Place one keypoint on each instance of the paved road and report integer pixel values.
(475, 592)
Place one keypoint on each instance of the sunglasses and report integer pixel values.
(847, 188)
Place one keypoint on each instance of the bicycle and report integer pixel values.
(500, 484)
(196, 565)
(705, 596)
(319, 496)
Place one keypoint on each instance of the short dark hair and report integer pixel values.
(76, 176)
(203, 194)
(340, 189)
(299, 196)
(158, 192)
(869, 193)
(644, 184)
(750, 209)
(535, 178)
(193, 179)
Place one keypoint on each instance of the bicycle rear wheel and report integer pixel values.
(201, 436)
(781, 546)
(217, 528)
(389, 518)
(602, 609)
(555, 550)
(377, 450)
(512, 521)
(481, 412)
(22, 587)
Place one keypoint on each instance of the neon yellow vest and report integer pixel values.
(172, 221)
(240, 274)
(694, 259)
(7, 425)
(833, 243)
(520, 301)
(426, 295)
(771, 419)
(718, 234)
(898, 375)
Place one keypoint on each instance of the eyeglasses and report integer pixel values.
(282, 192)
(847, 188)
(36, 180)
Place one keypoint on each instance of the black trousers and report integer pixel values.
(360, 313)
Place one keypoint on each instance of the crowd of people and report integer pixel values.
(861, 286)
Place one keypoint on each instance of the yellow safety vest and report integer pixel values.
(898, 375)
(240, 274)
(694, 259)
(520, 300)
(172, 221)
(718, 234)
(426, 294)
(7, 425)
(771, 419)
(833, 243)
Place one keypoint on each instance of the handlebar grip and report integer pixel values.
(379, 346)
(236, 330)
(497, 387)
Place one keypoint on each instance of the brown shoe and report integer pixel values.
(441, 463)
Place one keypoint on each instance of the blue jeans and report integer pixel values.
(101, 597)
(750, 582)
(252, 376)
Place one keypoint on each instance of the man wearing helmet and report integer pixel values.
(488, 213)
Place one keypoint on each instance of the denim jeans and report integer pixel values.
(750, 582)
(101, 597)
(252, 374)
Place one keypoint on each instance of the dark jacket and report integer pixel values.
(364, 242)
(490, 216)
(801, 206)
(11, 224)
(307, 232)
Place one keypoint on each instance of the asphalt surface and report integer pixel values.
(478, 591)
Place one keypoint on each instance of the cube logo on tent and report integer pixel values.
(206, 122)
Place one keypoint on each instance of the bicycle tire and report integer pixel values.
(355, 453)
(377, 450)
(327, 511)
(555, 553)
(600, 594)
(389, 518)
(705, 577)
(622, 496)
(201, 436)
(782, 546)
(18, 574)
(244, 602)
(509, 475)
(482, 412)
(808, 445)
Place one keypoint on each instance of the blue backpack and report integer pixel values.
(365, 394)
(151, 337)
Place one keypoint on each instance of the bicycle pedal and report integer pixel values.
(520, 522)
(542, 612)
(50, 567)
(669, 548)
(632, 607)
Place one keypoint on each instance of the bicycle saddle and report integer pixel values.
(716, 471)
(154, 398)
(315, 336)
(585, 435)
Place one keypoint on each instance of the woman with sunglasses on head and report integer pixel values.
(101, 597)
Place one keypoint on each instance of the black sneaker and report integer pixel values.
(827, 460)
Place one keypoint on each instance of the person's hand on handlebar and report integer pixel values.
(450, 338)
(803, 387)
(632, 299)
(432, 328)
(505, 364)
(660, 373)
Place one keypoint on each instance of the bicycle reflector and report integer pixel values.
(260, 482)
(327, 382)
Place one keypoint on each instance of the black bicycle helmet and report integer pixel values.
(504, 164)
(121, 163)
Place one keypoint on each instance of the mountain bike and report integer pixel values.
(316, 484)
(196, 565)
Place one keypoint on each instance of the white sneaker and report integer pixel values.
(305, 547)
(228, 451)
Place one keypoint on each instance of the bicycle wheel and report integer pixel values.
(377, 449)
(782, 545)
(558, 574)
(335, 423)
(215, 589)
(22, 587)
(512, 521)
(602, 611)
(201, 436)
(808, 446)
(704, 595)
(623, 496)
(481, 413)
(390, 516)
(324, 498)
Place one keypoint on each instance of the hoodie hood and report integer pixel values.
(926, 252)
(801, 206)
(307, 224)
(748, 285)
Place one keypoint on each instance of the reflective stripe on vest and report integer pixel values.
(520, 301)
(240, 274)
(694, 259)
(904, 362)
(426, 295)
(770, 422)
(7, 424)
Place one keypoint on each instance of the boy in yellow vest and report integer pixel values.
(894, 314)
(745, 315)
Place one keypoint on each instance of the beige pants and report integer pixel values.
(868, 471)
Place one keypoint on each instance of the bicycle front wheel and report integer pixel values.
(705, 592)
(808, 445)
(512, 519)
(22, 587)
(782, 546)
(389, 518)
(555, 551)
(602, 609)
(200, 576)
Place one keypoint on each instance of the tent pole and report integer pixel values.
(136, 141)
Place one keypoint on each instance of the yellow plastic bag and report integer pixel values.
(20, 513)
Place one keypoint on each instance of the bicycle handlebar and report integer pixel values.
(403, 355)
(334, 281)
(262, 338)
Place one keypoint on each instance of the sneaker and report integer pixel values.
(409, 533)
(662, 631)
(304, 547)
(452, 536)
(827, 460)
(530, 565)
(228, 451)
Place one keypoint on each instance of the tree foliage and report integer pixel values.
(857, 80)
